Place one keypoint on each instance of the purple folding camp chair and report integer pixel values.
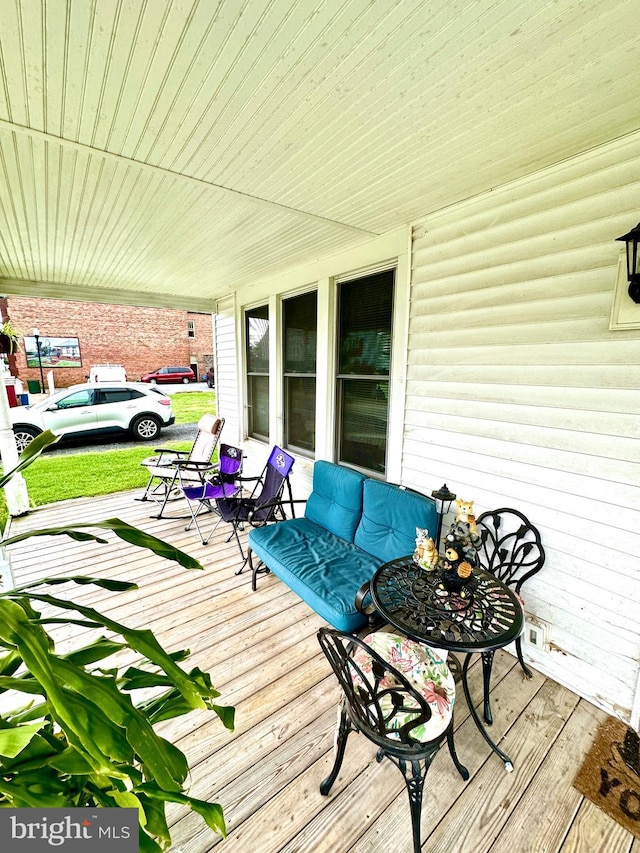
(202, 496)
(265, 503)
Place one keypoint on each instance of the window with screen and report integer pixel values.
(300, 323)
(365, 311)
(257, 360)
(191, 329)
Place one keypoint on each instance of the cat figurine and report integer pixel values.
(466, 515)
(426, 553)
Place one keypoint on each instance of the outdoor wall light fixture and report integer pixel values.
(633, 262)
(443, 498)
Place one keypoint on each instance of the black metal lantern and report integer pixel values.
(443, 498)
(633, 262)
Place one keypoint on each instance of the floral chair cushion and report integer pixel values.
(427, 672)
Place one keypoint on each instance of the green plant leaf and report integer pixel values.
(9, 663)
(211, 812)
(121, 529)
(13, 740)
(128, 800)
(142, 641)
(30, 454)
(155, 817)
(227, 715)
(71, 762)
(38, 753)
(66, 708)
(99, 649)
(87, 743)
(167, 707)
(145, 540)
(162, 759)
(78, 535)
(146, 844)
(105, 583)
(137, 679)
(18, 794)
(23, 685)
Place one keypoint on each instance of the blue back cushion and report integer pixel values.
(336, 500)
(390, 516)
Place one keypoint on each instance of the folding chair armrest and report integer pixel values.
(247, 479)
(195, 466)
(274, 504)
(166, 458)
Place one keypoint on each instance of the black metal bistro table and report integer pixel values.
(481, 618)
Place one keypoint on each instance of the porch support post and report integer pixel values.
(16, 489)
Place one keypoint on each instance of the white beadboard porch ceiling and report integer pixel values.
(166, 152)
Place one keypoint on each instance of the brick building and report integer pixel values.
(141, 339)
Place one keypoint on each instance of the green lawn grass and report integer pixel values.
(79, 475)
(189, 406)
(57, 478)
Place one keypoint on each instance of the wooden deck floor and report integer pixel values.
(263, 655)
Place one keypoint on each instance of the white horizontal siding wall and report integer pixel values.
(227, 390)
(518, 394)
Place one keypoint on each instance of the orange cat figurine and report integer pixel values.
(465, 514)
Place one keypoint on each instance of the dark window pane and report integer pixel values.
(364, 411)
(300, 324)
(365, 325)
(259, 406)
(117, 395)
(258, 340)
(301, 412)
(364, 350)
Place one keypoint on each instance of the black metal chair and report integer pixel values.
(511, 550)
(406, 710)
(264, 504)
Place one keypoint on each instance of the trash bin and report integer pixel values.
(23, 399)
(33, 386)
(11, 395)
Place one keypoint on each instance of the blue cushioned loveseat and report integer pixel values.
(352, 525)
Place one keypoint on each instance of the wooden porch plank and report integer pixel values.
(594, 830)
(263, 655)
(475, 820)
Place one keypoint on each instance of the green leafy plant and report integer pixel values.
(10, 336)
(76, 729)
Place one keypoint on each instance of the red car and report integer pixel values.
(169, 374)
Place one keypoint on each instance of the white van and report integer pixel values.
(107, 373)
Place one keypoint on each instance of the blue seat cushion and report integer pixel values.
(390, 516)
(336, 500)
(324, 570)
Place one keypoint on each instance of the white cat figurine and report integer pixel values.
(426, 553)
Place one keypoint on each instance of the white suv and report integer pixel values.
(94, 409)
